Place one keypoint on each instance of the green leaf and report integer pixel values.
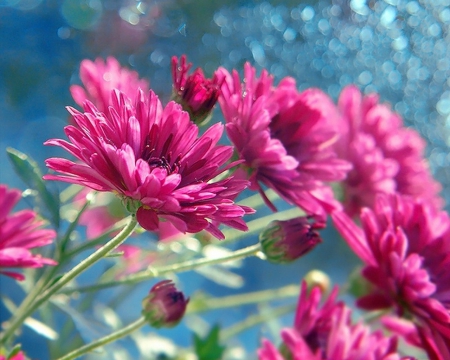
(15, 350)
(209, 347)
(28, 170)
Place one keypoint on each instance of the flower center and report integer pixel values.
(165, 164)
(157, 158)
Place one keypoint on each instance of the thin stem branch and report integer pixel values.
(255, 226)
(254, 320)
(175, 268)
(24, 312)
(199, 305)
(127, 330)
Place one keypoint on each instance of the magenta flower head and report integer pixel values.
(326, 332)
(164, 306)
(195, 92)
(405, 246)
(20, 232)
(154, 159)
(285, 241)
(283, 137)
(386, 156)
(100, 77)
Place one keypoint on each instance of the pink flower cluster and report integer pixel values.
(301, 145)
(386, 156)
(326, 331)
(20, 232)
(405, 247)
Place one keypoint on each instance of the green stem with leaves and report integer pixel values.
(24, 312)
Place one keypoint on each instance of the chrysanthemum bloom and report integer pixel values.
(286, 241)
(283, 137)
(20, 232)
(327, 333)
(165, 305)
(196, 93)
(405, 246)
(100, 78)
(154, 160)
(387, 157)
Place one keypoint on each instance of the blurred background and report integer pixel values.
(398, 48)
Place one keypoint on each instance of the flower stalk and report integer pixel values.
(151, 273)
(105, 340)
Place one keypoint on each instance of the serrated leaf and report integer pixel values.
(209, 347)
(28, 170)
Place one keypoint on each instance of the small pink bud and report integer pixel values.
(196, 93)
(286, 241)
(165, 305)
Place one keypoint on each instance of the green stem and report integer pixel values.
(256, 201)
(254, 320)
(255, 226)
(96, 241)
(105, 340)
(24, 312)
(175, 268)
(198, 305)
(69, 193)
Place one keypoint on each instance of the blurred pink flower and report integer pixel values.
(405, 246)
(100, 77)
(283, 137)
(387, 157)
(327, 333)
(153, 158)
(195, 92)
(102, 214)
(20, 232)
(18, 356)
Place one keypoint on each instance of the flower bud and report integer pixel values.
(165, 305)
(285, 241)
(317, 278)
(195, 93)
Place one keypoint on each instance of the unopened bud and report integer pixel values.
(317, 278)
(195, 93)
(165, 305)
(286, 241)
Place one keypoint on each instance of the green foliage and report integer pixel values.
(209, 348)
(28, 170)
(15, 350)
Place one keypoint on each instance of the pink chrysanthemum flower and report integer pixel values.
(100, 77)
(327, 333)
(20, 232)
(405, 246)
(196, 93)
(153, 158)
(387, 157)
(283, 137)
